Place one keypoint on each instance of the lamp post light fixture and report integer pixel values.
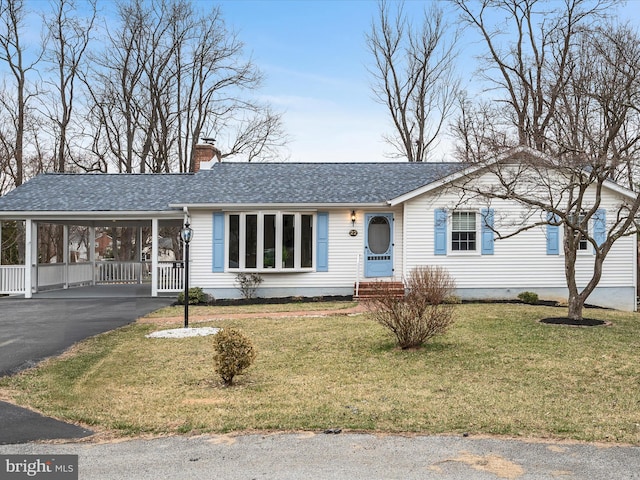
(186, 234)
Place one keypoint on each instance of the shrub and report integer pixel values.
(248, 283)
(422, 312)
(234, 353)
(529, 297)
(454, 299)
(196, 296)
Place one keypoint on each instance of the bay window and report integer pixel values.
(278, 241)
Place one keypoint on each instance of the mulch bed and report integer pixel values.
(584, 322)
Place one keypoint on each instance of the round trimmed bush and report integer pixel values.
(234, 353)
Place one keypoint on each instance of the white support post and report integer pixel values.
(0, 242)
(65, 254)
(91, 251)
(139, 253)
(154, 257)
(114, 243)
(28, 257)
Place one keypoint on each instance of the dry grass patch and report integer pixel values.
(497, 371)
(214, 311)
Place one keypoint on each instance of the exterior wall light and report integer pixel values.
(353, 232)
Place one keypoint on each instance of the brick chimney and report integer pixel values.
(205, 152)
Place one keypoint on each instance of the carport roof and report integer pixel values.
(95, 192)
(225, 184)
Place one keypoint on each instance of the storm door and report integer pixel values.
(378, 245)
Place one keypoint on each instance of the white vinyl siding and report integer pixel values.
(519, 261)
(513, 264)
(343, 251)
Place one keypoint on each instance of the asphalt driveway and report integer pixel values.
(34, 329)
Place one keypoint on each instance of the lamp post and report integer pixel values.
(186, 234)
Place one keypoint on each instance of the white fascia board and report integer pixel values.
(470, 170)
(625, 192)
(89, 215)
(437, 184)
(278, 206)
(498, 159)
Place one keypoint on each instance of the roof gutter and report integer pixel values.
(278, 206)
(89, 214)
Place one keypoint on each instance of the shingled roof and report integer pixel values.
(312, 183)
(226, 183)
(95, 192)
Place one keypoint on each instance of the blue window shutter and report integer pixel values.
(322, 242)
(553, 236)
(218, 242)
(487, 231)
(440, 231)
(600, 226)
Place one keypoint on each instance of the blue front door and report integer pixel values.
(378, 245)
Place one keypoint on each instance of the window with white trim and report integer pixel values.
(270, 241)
(583, 244)
(463, 231)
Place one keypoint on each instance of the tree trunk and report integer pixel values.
(576, 304)
(576, 301)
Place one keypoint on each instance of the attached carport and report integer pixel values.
(140, 202)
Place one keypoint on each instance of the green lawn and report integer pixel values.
(497, 371)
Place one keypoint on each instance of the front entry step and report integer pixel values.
(369, 290)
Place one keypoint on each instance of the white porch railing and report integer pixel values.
(80, 273)
(56, 274)
(170, 276)
(121, 272)
(50, 274)
(11, 279)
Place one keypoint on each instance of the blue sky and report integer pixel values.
(314, 55)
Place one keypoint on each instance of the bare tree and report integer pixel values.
(570, 82)
(16, 104)
(114, 88)
(66, 42)
(478, 133)
(258, 136)
(171, 75)
(413, 77)
(210, 70)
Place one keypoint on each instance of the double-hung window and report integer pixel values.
(270, 241)
(463, 231)
(583, 244)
